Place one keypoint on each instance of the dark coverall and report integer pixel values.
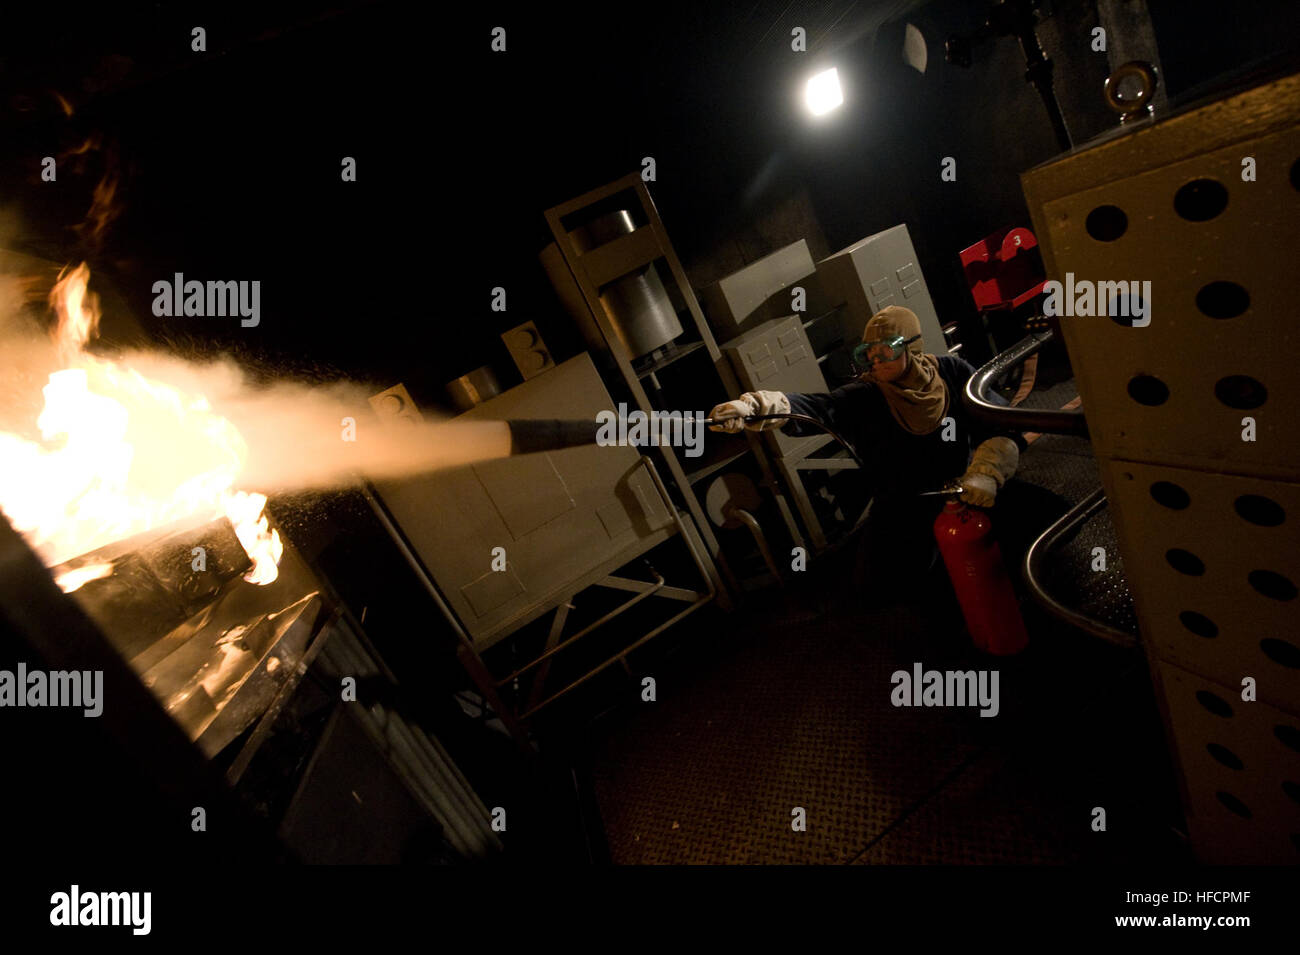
(897, 548)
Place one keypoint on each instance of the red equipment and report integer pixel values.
(980, 579)
(1001, 272)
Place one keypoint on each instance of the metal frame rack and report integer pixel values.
(597, 268)
(782, 351)
(469, 648)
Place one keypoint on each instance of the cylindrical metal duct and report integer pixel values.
(638, 305)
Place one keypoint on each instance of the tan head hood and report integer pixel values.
(917, 399)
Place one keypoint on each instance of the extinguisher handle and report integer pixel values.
(948, 489)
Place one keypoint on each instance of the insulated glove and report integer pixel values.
(992, 464)
(729, 415)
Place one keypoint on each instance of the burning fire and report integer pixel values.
(122, 454)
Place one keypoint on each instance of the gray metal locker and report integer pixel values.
(877, 271)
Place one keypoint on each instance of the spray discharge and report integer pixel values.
(94, 450)
(303, 436)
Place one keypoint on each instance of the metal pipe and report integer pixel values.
(461, 823)
(618, 657)
(1037, 554)
(681, 527)
(807, 419)
(704, 598)
(1038, 72)
(319, 635)
(453, 781)
(659, 582)
(345, 654)
(760, 539)
(1018, 419)
(465, 650)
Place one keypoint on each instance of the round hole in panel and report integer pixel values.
(1292, 790)
(1241, 392)
(1272, 584)
(1222, 300)
(1106, 223)
(1199, 624)
(1200, 200)
(1185, 562)
(1225, 756)
(1170, 495)
(1234, 804)
(1260, 510)
(1288, 736)
(1123, 310)
(1214, 703)
(1281, 652)
(1148, 390)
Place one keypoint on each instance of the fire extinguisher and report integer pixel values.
(974, 562)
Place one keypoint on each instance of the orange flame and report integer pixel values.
(103, 210)
(71, 580)
(122, 454)
(77, 311)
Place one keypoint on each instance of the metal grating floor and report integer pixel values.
(800, 716)
(786, 704)
(713, 775)
(1065, 465)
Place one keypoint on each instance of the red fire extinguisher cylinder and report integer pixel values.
(980, 579)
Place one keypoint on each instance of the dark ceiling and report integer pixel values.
(228, 160)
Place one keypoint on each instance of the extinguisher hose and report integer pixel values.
(807, 419)
(954, 489)
(548, 434)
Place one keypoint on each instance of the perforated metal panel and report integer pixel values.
(1242, 764)
(1207, 519)
(1204, 565)
(1242, 258)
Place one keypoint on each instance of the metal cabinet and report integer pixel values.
(1191, 410)
(558, 515)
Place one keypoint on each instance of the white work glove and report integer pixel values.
(729, 415)
(991, 465)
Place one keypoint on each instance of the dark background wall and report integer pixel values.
(229, 160)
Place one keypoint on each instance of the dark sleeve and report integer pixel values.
(831, 409)
(962, 372)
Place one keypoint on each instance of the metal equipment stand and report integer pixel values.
(789, 467)
(490, 686)
(599, 267)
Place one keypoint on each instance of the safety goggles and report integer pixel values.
(868, 354)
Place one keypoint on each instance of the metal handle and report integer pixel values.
(1018, 419)
(1137, 106)
(947, 491)
(1037, 555)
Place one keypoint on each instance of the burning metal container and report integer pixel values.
(215, 649)
(177, 589)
